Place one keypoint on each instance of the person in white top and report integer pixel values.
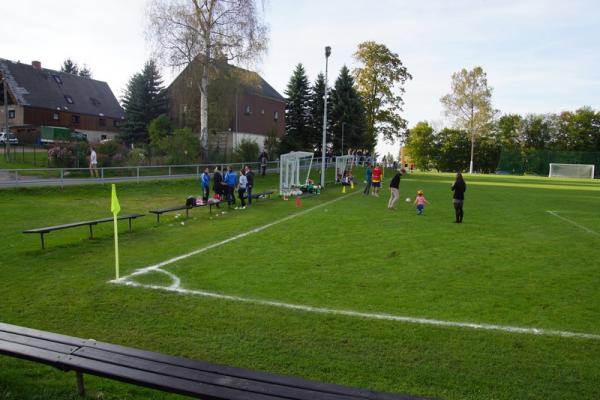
(93, 163)
(242, 184)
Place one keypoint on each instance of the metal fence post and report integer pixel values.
(62, 176)
(138, 173)
(169, 170)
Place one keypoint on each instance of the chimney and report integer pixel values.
(37, 65)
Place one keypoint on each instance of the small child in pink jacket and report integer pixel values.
(420, 202)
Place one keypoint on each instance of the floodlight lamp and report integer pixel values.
(327, 51)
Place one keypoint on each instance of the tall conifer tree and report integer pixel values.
(297, 113)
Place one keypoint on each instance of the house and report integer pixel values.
(43, 97)
(242, 105)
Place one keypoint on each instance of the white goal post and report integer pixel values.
(571, 170)
(342, 163)
(290, 165)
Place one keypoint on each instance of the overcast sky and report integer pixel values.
(540, 55)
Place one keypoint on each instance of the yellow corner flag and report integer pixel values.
(115, 208)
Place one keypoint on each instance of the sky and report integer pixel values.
(540, 56)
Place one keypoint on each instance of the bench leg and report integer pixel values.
(91, 232)
(42, 236)
(187, 212)
(80, 385)
(129, 224)
(157, 218)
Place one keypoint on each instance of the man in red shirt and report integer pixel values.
(376, 179)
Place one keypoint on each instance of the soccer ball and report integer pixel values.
(408, 200)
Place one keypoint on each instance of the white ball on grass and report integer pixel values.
(408, 199)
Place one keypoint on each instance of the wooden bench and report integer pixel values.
(161, 211)
(167, 373)
(262, 195)
(90, 223)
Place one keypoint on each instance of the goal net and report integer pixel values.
(294, 171)
(342, 163)
(571, 170)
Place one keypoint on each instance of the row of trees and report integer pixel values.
(448, 149)
(70, 67)
(363, 104)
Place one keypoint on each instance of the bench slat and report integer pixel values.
(201, 376)
(48, 229)
(38, 343)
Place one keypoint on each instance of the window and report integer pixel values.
(101, 121)
(262, 111)
(247, 110)
(11, 114)
(94, 101)
(102, 137)
(68, 99)
(116, 123)
(55, 116)
(276, 115)
(75, 119)
(57, 79)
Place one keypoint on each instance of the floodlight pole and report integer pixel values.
(472, 151)
(343, 124)
(324, 147)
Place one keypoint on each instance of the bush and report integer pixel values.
(111, 154)
(60, 156)
(246, 151)
(183, 147)
(136, 157)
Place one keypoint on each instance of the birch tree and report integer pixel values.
(470, 104)
(206, 32)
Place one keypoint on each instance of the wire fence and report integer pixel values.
(77, 176)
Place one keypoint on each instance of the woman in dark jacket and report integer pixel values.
(459, 187)
(217, 179)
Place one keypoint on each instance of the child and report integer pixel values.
(420, 202)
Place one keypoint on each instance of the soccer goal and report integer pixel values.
(291, 167)
(342, 163)
(571, 170)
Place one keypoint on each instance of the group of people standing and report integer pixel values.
(374, 177)
(225, 185)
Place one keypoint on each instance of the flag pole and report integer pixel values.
(115, 208)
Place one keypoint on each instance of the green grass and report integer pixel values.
(510, 263)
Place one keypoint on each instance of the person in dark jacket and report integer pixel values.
(459, 187)
(395, 189)
(205, 184)
(217, 187)
(250, 185)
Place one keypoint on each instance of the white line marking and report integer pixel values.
(376, 316)
(231, 239)
(588, 230)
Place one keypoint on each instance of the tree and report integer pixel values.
(470, 104)
(209, 32)
(85, 71)
(380, 82)
(348, 115)
(453, 150)
(144, 99)
(421, 146)
(297, 112)
(70, 67)
(316, 106)
(508, 131)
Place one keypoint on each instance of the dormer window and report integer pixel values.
(94, 101)
(68, 99)
(57, 79)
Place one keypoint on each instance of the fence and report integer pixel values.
(80, 176)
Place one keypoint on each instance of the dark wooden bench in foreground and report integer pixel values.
(167, 373)
(161, 211)
(90, 223)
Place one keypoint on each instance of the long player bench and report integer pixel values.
(187, 208)
(179, 375)
(90, 223)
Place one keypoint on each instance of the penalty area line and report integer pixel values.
(588, 230)
(373, 316)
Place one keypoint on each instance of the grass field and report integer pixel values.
(504, 306)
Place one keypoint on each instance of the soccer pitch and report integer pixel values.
(341, 289)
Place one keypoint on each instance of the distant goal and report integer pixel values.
(571, 170)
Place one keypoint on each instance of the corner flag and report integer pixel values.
(115, 208)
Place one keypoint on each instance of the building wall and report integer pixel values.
(18, 118)
(259, 115)
(75, 121)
